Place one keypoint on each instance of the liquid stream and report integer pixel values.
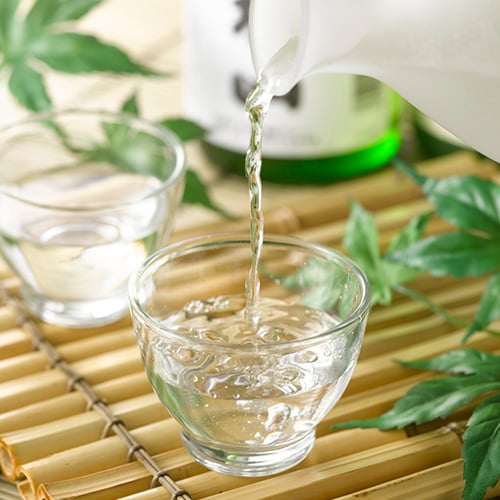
(257, 106)
(240, 398)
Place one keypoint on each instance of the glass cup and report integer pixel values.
(85, 197)
(248, 391)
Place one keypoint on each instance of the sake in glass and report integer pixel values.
(85, 197)
(249, 389)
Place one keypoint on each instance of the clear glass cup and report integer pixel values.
(248, 393)
(85, 197)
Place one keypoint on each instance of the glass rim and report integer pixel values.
(169, 252)
(169, 138)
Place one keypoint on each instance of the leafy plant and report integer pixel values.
(361, 240)
(320, 278)
(195, 191)
(139, 151)
(42, 40)
(472, 205)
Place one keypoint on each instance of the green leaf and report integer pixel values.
(151, 242)
(130, 106)
(186, 130)
(456, 254)
(428, 401)
(410, 234)
(196, 193)
(467, 201)
(7, 11)
(409, 171)
(400, 273)
(461, 361)
(322, 279)
(489, 307)
(481, 449)
(436, 308)
(28, 87)
(361, 240)
(130, 150)
(79, 53)
(46, 12)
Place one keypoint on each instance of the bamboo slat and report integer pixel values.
(7, 490)
(121, 480)
(40, 386)
(443, 482)
(20, 447)
(72, 403)
(336, 477)
(448, 297)
(59, 444)
(108, 452)
(379, 369)
(37, 361)
(57, 335)
(8, 317)
(131, 478)
(14, 342)
(332, 202)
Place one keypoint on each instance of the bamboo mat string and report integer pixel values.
(94, 402)
(457, 428)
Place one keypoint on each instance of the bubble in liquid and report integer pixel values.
(289, 374)
(188, 357)
(194, 308)
(213, 336)
(306, 357)
(273, 437)
(230, 365)
(277, 417)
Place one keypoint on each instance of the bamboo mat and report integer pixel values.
(78, 418)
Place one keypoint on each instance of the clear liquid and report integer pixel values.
(245, 398)
(246, 401)
(257, 105)
(80, 255)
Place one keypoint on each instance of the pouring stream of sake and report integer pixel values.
(257, 106)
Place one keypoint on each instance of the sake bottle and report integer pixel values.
(442, 56)
(328, 127)
(433, 139)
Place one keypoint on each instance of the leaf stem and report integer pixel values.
(412, 294)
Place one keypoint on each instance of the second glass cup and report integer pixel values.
(85, 197)
(249, 392)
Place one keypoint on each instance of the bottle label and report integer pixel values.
(323, 115)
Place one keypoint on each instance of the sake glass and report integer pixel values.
(248, 394)
(85, 197)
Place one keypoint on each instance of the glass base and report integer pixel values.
(75, 314)
(255, 463)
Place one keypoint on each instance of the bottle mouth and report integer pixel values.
(275, 46)
(290, 39)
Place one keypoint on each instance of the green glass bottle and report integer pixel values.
(328, 127)
(432, 138)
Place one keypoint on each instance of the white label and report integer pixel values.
(324, 115)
